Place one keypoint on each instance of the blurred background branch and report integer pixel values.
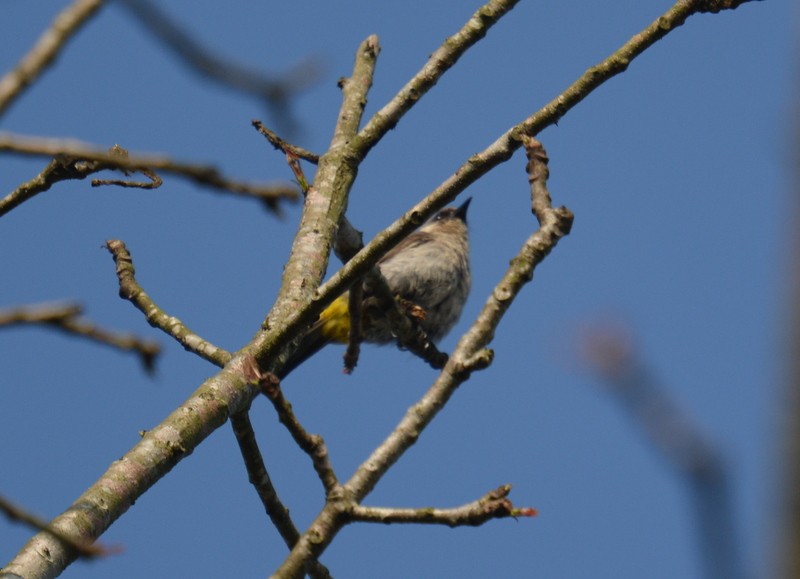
(610, 349)
(67, 318)
(274, 92)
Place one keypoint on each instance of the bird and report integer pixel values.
(428, 272)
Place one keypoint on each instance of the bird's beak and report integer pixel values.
(461, 212)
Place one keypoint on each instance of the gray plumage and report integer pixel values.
(428, 269)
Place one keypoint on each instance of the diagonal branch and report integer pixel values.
(275, 93)
(312, 444)
(260, 479)
(687, 449)
(439, 62)
(130, 290)
(84, 549)
(46, 50)
(283, 145)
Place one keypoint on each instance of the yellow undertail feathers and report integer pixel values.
(334, 321)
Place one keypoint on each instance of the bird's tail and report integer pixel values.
(333, 325)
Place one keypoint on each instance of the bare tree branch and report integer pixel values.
(66, 318)
(71, 156)
(679, 440)
(439, 62)
(326, 201)
(285, 146)
(46, 50)
(39, 314)
(493, 505)
(275, 93)
(130, 290)
(312, 444)
(260, 479)
(85, 549)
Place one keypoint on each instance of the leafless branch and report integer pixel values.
(680, 442)
(493, 505)
(285, 146)
(322, 214)
(260, 479)
(59, 169)
(129, 289)
(442, 59)
(66, 318)
(312, 444)
(85, 549)
(71, 156)
(46, 50)
(276, 93)
(240, 421)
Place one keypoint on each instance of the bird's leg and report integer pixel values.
(413, 310)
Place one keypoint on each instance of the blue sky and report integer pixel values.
(679, 175)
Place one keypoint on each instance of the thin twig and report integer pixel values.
(84, 549)
(260, 479)
(59, 169)
(45, 51)
(147, 350)
(129, 289)
(66, 318)
(493, 505)
(154, 180)
(274, 92)
(285, 146)
(312, 444)
(206, 175)
(39, 314)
